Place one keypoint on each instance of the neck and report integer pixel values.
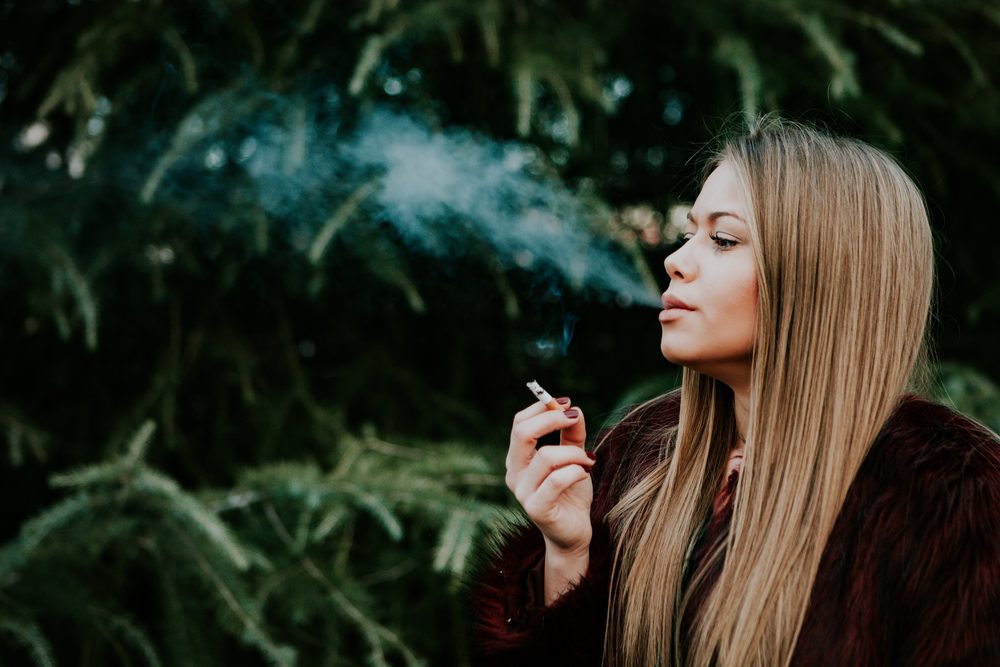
(741, 410)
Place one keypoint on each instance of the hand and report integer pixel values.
(553, 483)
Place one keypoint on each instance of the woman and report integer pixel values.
(791, 503)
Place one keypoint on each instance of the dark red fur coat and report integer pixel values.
(910, 574)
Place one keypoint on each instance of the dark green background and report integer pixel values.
(345, 420)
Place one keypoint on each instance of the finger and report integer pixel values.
(576, 433)
(525, 434)
(538, 408)
(554, 485)
(545, 462)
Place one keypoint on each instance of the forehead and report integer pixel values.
(722, 191)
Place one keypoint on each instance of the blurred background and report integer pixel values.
(274, 275)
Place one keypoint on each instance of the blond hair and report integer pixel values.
(844, 265)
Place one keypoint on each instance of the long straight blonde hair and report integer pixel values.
(844, 265)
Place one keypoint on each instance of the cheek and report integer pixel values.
(725, 329)
(741, 308)
(750, 301)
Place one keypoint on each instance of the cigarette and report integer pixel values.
(544, 396)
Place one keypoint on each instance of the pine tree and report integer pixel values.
(274, 274)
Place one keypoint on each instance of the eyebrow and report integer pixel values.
(715, 215)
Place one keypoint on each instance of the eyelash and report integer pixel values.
(723, 244)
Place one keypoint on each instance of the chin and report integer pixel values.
(675, 356)
(692, 359)
(674, 349)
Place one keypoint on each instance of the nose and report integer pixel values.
(678, 265)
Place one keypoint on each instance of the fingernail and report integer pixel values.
(572, 413)
(592, 456)
(562, 400)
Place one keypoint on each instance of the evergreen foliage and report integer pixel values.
(274, 275)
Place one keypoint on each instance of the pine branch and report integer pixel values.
(189, 511)
(376, 507)
(524, 94)
(305, 27)
(737, 53)
(248, 617)
(204, 119)
(386, 263)
(371, 55)
(844, 82)
(976, 69)
(20, 432)
(489, 15)
(374, 633)
(891, 33)
(182, 637)
(238, 13)
(133, 635)
(80, 289)
(96, 47)
(339, 218)
(330, 522)
(188, 67)
(67, 512)
(116, 471)
(570, 112)
(30, 636)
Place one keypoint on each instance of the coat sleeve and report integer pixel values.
(512, 626)
(947, 565)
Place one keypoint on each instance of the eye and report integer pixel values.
(722, 242)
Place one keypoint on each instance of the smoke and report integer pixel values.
(441, 189)
(447, 192)
(291, 162)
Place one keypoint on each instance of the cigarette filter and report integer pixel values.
(544, 396)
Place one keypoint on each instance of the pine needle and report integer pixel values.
(377, 508)
(188, 67)
(570, 113)
(137, 637)
(891, 33)
(491, 37)
(113, 471)
(248, 617)
(330, 522)
(844, 83)
(137, 444)
(30, 636)
(449, 540)
(524, 93)
(371, 55)
(98, 473)
(463, 545)
(339, 218)
(52, 520)
(192, 513)
(86, 304)
(737, 53)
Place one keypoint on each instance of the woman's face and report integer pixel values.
(710, 307)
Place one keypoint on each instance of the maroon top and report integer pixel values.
(910, 574)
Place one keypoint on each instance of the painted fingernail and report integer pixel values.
(592, 456)
(572, 413)
(562, 400)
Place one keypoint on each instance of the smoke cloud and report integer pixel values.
(305, 170)
(447, 192)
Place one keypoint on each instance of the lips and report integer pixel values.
(670, 302)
